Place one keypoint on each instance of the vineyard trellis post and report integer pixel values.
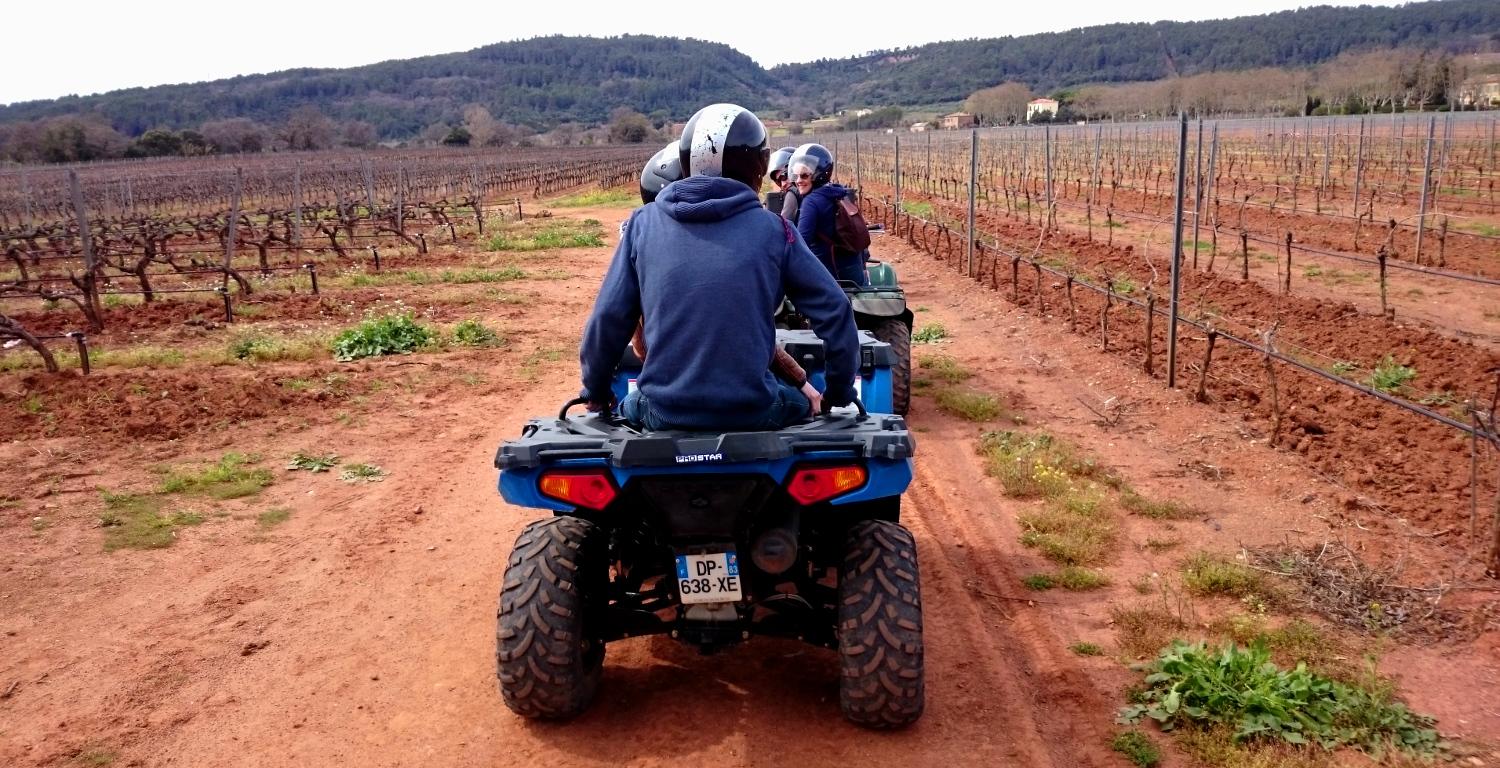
(859, 179)
(1197, 191)
(1209, 187)
(86, 242)
(364, 167)
(973, 180)
(1047, 150)
(26, 197)
(1094, 181)
(297, 204)
(1426, 182)
(1359, 175)
(233, 230)
(898, 185)
(1182, 127)
(927, 174)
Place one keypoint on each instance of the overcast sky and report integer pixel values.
(94, 46)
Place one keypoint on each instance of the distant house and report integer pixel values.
(918, 127)
(823, 125)
(959, 120)
(1037, 106)
(862, 112)
(1483, 90)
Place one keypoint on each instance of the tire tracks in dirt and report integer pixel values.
(1054, 708)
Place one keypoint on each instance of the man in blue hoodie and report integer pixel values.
(811, 173)
(706, 267)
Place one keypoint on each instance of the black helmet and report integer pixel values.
(815, 157)
(662, 169)
(724, 140)
(779, 159)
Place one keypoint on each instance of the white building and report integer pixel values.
(1037, 106)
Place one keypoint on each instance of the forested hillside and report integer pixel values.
(510, 90)
(1136, 52)
(542, 80)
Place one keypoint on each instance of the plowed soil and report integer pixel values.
(360, 630)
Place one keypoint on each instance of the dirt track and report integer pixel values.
(360, 631)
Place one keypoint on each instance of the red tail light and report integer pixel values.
(587, 487)
(814, 484)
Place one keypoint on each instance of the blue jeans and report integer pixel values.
(853, 270)
(790, 407)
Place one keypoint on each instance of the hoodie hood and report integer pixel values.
(830, 191)
(706, 198)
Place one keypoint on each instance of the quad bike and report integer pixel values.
(712, 539)
(879, 308)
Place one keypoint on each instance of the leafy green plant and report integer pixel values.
(369, 473)
(930, 333)
(1137, 748)
(229, 478)
(1083, 648)
(1390, 376)
(312, 463)
(1240, 687)
(1035, 464)
(472, 333)
(389, 335)
(1343, 367)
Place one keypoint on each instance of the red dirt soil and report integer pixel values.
(359, 631)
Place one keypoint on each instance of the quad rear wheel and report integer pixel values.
(548, 656)
(882, 681)
(895, 332)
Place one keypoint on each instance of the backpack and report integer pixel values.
(850, 232)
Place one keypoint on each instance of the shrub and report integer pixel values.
(389, 335)
(929, 333)
(1086, 649)
(1239, 687)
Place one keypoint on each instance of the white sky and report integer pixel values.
(91, 46)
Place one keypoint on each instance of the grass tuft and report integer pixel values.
(1086, 649)
(132, 521)
(1208, 574)
(929, 333)
(944, 368)
(1156, 510)
(229, 478)
(1039, 582)
(1034, 464)
(970, 406)
(1077, 579)
(607, 198)
(1137, 747)
(272, 518)
(1390, 376)
(369, 473)
(472, 333)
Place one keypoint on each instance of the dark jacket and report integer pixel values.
(816, 225)
(707, 267)
(791, 209)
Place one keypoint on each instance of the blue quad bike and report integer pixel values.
(713, 538)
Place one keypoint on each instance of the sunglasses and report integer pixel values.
(803, 176)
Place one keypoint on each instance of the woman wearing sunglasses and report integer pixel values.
(811, 173)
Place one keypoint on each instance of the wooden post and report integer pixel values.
(1359, 174)
(1015, 279)
(1109, 294)
(897, 183)
(86, 242)
(1150, 322)
(1245, 251)
(1271, 378)
(1473, 469)
(1286, 286)
(1208, 356)
(1426, 183)
(1072, 309)
(297, 204)
(1182, 127)
(230, 235)
(1197, 192)
(1041, 303)
(364, 167)
(973, 180)
(26, 197)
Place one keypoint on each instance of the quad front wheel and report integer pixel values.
(882, 682)
(548, 656)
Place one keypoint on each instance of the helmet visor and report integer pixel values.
(802, 167)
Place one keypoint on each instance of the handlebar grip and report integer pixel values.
(563, 414)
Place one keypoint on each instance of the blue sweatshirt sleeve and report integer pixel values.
(612, 323)
(818, 296)
(809, 218)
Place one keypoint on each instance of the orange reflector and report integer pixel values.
(587, 488)
(815, 484)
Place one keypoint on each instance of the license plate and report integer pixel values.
(710, 578)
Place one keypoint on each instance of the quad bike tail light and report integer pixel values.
(589, 488)
(811, 485)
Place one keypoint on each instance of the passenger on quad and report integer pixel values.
(705, 268)
(664, 168)
(791, 202)
(811, 172)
